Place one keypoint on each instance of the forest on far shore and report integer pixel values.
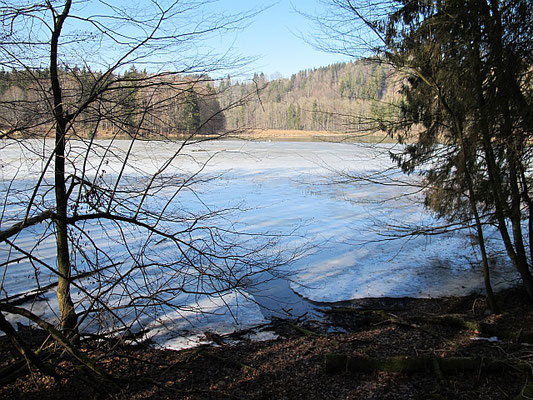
(342, 97)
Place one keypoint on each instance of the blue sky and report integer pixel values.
(274, 36)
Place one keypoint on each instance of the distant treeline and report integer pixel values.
(137, 103)
(340, 97)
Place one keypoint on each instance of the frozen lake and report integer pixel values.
(289, 186)
(295, 190)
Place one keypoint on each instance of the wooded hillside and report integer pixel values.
(340, 97)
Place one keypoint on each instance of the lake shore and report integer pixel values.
(293, 366)
(313, 136)
(252, 134)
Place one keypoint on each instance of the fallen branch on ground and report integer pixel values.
(367, 317)
(25, 350)
(344, 363)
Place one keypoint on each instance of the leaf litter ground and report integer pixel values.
(293, 367)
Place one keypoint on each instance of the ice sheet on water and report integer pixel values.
(347, 222)
(287, 188)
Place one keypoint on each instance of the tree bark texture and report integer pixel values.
(68, 318)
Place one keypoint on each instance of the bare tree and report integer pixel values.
(111, 225)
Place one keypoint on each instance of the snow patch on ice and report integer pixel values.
(221, 315)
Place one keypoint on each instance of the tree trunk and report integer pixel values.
(468, 158)
(496, 183)
(67, 314)
(486, 268)
(479, 228)
(529, 202)
(518, 253)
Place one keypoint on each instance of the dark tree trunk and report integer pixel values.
(495, 34)
(68, 318)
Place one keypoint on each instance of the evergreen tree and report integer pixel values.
(468, 107)
(190, 113)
